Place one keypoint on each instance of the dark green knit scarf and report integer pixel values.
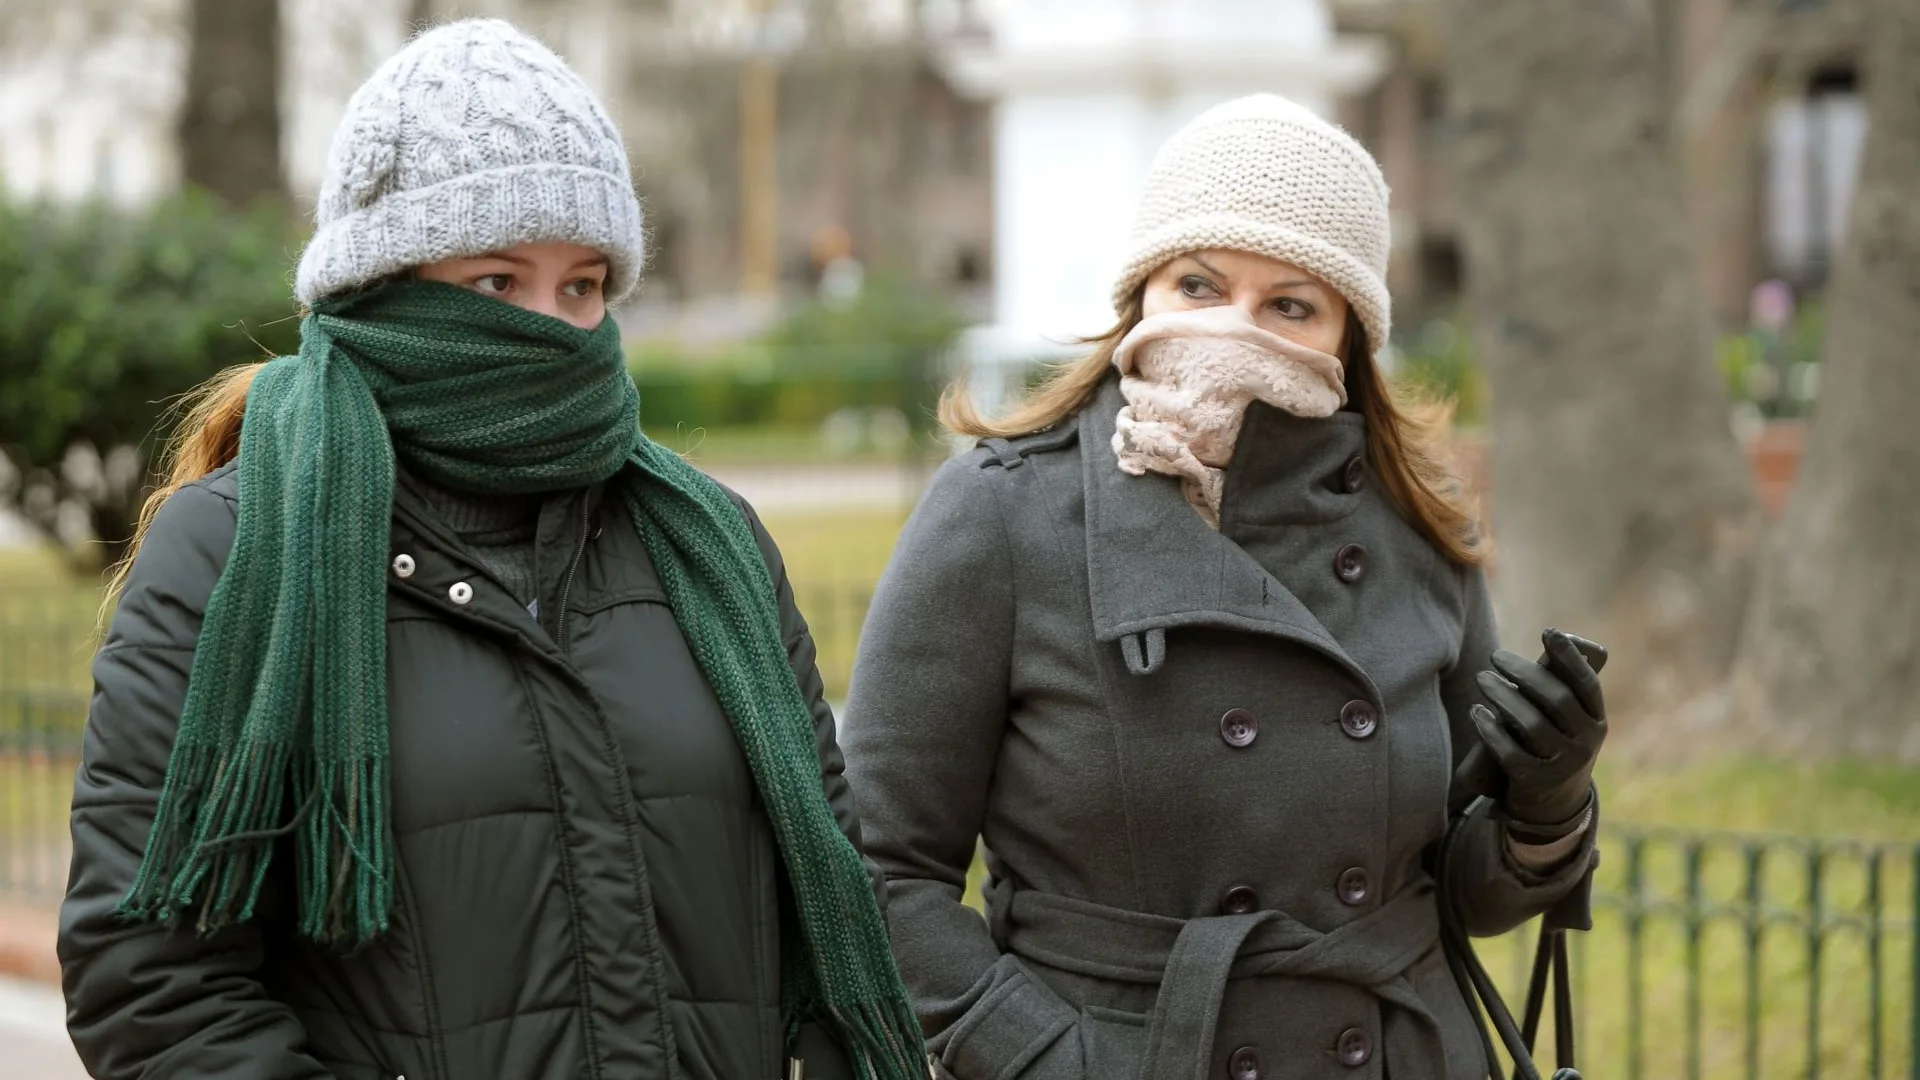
(285, 725)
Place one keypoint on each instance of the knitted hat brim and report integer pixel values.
(475, 214)
(1353, 279)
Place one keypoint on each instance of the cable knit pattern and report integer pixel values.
(1264, 175)
(473, 138)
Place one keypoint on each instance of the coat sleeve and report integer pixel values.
(1495, 893)
(143, 1001)
(825, 1058)
(924, 724)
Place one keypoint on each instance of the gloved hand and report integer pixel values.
(1545, 728)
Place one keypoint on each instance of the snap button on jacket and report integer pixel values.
(1207, 766)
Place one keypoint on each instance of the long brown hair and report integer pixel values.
(207, 437)
(1407, 431)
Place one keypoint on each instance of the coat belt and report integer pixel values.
(1192, 960)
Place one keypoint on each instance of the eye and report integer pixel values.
(1195, 287)
(493, 283)
(1289, 308)
(582, 288)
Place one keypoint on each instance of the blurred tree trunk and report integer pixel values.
(419, 14)
(1830, 646)
(230, 125)
(1623, 506)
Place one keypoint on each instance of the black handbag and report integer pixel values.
(1550, 962)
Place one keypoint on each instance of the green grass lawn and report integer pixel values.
(834, 560)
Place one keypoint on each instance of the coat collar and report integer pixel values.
(1153, 564)
(1289, 470)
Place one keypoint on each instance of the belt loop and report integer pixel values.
(1145, 652)
(998, 893)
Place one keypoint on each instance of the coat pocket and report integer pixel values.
(1018, 1030)
(1112, 1042)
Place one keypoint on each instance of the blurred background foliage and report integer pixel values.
(106, 314)
(838, 378)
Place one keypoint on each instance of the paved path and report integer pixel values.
(823, 487)
(33, 1033)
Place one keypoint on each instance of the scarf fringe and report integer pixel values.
(221, 818)
(218, 812)
(883, 1038)
(346, 878)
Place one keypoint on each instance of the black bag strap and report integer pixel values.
(1550, 961)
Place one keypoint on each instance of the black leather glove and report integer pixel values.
(1545, 727)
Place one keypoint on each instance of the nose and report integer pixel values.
(542, 302)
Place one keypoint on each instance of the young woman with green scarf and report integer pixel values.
(446, 726)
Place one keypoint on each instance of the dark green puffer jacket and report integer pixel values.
(538, 762)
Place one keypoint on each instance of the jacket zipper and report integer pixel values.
(566, 583)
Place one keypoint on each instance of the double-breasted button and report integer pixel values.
(1355, 1047)
(1350, 563)
(460, 593)
(1239, 727)
(403, 566)
(1240, 900)
(1354, 476)
(1359, 719)
(1355, 887)
(1245, 1065)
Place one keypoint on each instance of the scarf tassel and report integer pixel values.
(219, 821)
(874, 1031)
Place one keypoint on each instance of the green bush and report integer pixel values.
(878, 351)
(1776, 374)
(105, 314)
(1440, 360)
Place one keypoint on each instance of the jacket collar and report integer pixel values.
(441, 559)
(1289, 470)
(1153, 564)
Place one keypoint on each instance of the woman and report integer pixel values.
(447, 727)
(1193, 641)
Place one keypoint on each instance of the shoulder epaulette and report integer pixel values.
(1012, 453)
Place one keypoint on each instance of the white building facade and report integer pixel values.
(1085, 92)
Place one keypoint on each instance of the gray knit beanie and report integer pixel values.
(473, 138)
(1264, 175)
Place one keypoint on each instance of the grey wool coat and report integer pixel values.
(1208, 767)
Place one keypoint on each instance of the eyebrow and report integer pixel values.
(1291, 283)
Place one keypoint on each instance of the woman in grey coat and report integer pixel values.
(1194, 640)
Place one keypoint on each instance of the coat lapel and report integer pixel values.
(1154, 565)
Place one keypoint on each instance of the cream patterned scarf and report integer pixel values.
(1188, 377)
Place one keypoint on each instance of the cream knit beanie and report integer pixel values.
(473, 138)
(1264, 175)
